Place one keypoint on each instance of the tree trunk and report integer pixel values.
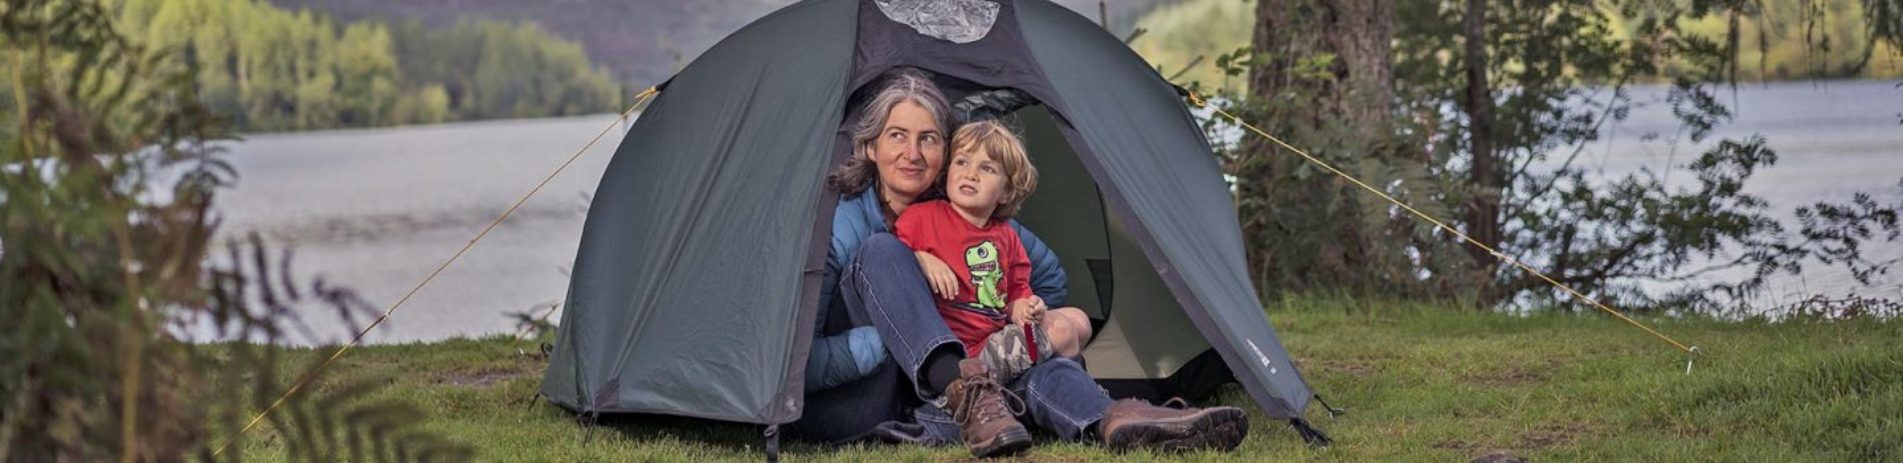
(1483, 213)
(1359, 33)
(1314, 222)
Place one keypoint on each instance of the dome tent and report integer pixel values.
(696, 284)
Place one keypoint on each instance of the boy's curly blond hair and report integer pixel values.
(1001, 145)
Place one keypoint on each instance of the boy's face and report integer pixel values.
(974, 182)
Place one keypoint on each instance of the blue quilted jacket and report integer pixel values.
(846, 356)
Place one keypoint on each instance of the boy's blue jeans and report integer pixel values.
(884, 288)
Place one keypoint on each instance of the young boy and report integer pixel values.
(973, 259)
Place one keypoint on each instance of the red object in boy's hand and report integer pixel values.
(1030, 340)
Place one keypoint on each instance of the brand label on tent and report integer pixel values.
(957, 21)
(1258, 355)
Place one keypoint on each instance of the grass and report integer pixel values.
(1420, 382)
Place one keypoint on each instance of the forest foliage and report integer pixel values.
(1185, 38)
(271, 69)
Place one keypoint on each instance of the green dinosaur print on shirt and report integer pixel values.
(982, 261)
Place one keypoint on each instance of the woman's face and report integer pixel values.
(909, 152)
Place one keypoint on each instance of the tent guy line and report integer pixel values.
(304, 380)
(1690, 351)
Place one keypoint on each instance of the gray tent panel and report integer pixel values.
(1153, 164)
(697, 263)
(1067, 211)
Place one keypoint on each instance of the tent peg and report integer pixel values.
(1333, 412)
(772, 445)
(1690, 354)
(531, 400)
(588, 420)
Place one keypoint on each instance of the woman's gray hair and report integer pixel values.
(900, 85)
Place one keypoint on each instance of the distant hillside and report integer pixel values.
(640, 41)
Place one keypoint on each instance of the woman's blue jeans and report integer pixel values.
(884, 288)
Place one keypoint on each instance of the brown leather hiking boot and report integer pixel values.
(1132, 423)
(985, 420)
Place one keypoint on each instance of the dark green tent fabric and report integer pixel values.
(695, 285)
(694, 274)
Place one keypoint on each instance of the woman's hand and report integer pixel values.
(943, 280)
(1028, 310)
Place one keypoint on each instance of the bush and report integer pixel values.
(108, 167)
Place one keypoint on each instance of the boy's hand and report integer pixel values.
(943, 280)
(1028, 310)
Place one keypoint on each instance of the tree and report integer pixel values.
(1459, 118)
(1320, 73)
(366, 76)
(1484, 175)
(1351, 42)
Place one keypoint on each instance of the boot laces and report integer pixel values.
(973, 404)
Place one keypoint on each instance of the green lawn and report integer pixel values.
(1419, 382)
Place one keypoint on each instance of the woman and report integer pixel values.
(884, 365)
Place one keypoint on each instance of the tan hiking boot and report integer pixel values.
(985, 421)
(1132, 423)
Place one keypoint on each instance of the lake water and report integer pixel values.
(377, 210)
(1833, 139)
